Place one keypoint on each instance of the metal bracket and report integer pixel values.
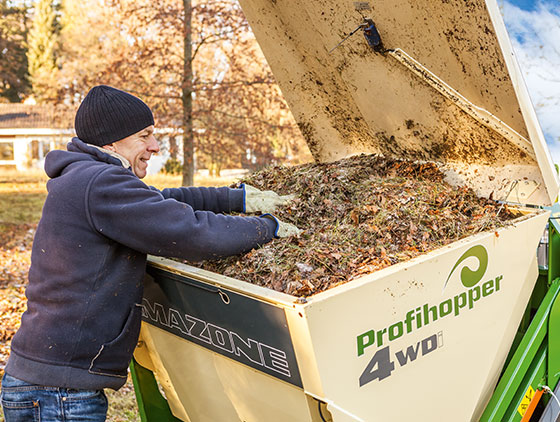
(371, 34)
(522, 191)
(552, 411)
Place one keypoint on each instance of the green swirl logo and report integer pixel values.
(470, 277)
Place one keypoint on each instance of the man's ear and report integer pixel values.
(110, 147)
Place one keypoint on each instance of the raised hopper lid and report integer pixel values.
(444, 86)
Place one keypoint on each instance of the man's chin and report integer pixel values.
(141, 170)
(140, 173)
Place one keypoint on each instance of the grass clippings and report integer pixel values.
(358, 215)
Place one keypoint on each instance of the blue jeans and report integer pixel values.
(24, 402)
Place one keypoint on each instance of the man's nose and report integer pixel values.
(153, 146)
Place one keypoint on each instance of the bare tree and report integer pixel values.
(199, 68)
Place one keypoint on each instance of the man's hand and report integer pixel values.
(283, 229)
(287, 229)
(263, 201)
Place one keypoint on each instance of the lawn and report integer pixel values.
(21, 200)
(21, 197)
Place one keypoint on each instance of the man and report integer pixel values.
(88, 259)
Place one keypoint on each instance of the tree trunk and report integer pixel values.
(173, 147)
(188, 133)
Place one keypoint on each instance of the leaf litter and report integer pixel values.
(15, 258)
(358, 215)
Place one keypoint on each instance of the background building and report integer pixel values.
(28, 132)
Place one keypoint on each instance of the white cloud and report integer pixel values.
(535, 36)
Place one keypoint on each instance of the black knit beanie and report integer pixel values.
(108, 115)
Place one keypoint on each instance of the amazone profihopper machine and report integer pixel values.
(468, 332)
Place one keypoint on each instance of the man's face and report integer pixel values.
(137, 149)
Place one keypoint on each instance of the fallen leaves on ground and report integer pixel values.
(15, 258)
(359, 215)
(15, 253)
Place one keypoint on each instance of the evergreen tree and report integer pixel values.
(14, 82)
(41, 55)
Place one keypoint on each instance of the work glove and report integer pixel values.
(283, 229)
(263, 201)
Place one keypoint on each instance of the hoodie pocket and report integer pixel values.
(113, 357)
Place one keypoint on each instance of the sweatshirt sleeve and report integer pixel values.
(218, 200)
(124, 209)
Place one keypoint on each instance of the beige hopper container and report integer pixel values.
(424, 340)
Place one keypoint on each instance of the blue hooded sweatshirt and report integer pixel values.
(88, 261)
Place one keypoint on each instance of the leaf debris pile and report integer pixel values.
(359, 215)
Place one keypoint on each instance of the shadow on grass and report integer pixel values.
(21, 207)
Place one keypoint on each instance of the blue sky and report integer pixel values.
(524, 4)
(534, 29)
